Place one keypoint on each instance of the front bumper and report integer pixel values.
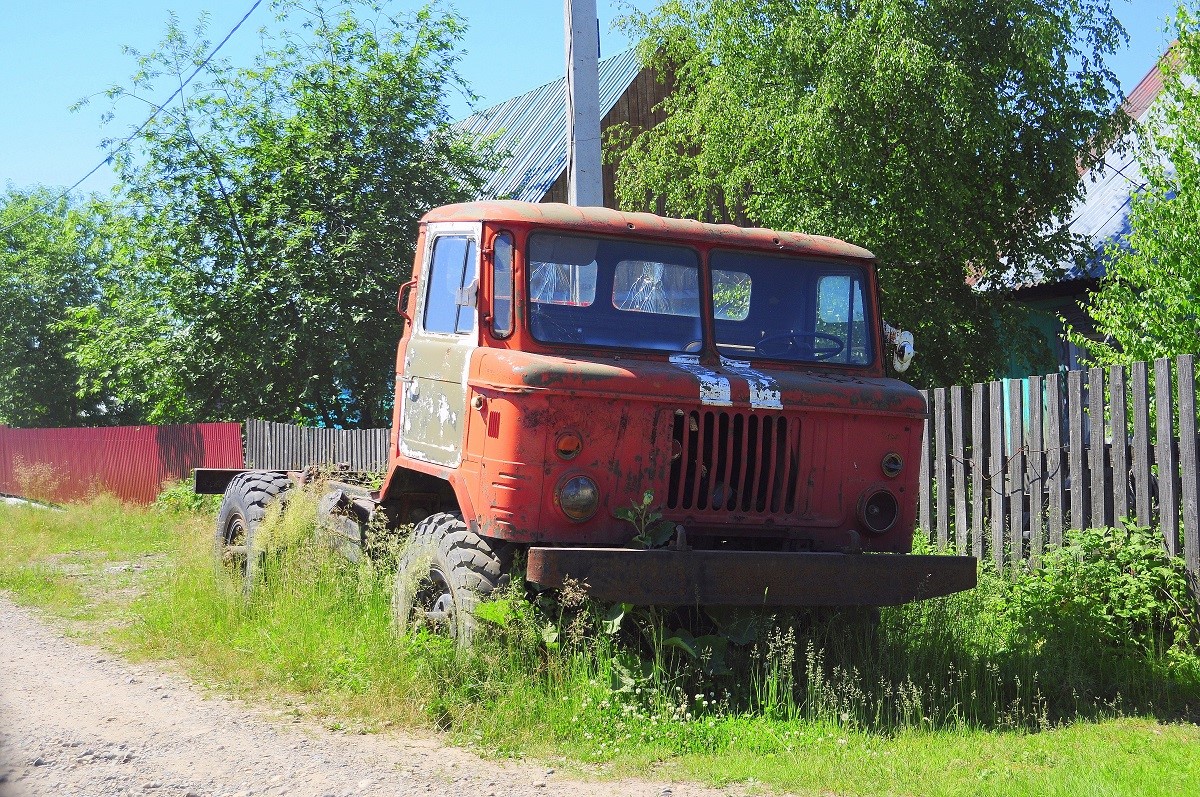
(751, 578)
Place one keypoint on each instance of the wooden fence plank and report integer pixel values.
(1141, 443)
(1016, 472)
(1185, 367)
(1075, 459)
(1164, 455)
(1036, 469)
(1055, 460)
(1120, 443)
(958, 452)
(941, 473)
(1097, 468)
(978, 467)
(925, 491)
(996, 470)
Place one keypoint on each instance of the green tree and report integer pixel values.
(944, 135)
(50, 251)
(1148, 304)
(276, 212)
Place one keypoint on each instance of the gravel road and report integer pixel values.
(74, 721)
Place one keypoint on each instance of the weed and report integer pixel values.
(181, 497)
(37, 481)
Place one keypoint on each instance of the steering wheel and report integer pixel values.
(789, 344)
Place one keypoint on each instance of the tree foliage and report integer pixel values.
(274, 212)
(945, 135)
(50, 251)
(1148, 304)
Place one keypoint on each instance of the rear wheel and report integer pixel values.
(243, 509)
(442, 573)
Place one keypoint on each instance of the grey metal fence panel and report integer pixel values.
(285, 446)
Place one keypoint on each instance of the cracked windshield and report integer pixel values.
(603, 292)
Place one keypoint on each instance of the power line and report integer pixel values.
(128, 139)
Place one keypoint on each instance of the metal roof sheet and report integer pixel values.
(532, 130)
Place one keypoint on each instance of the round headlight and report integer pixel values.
(878, 511)
(892, 464)
(578, 498)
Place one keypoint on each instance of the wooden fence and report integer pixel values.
(1009, 466)
(282, 446)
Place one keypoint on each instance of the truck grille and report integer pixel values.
(731, 461)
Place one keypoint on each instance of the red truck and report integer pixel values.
(563, 365)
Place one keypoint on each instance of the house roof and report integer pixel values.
(1103, 214)
(532, 130)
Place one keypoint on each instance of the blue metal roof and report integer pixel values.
(532, 131)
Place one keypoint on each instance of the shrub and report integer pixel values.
(180, 496)
(1114, 590)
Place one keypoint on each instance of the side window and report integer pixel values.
(840, 313)
(450, 278)
(502, 285)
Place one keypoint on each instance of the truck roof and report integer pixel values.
(605, 221)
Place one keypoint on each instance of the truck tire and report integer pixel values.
(243, 508)
(442, 572)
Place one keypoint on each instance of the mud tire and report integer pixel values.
(445, 567)
(243, 509)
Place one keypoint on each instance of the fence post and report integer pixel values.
(978, 467)
(960, 469)
(941, 476)
(996, 469)
(1054, 457)
(1097, 469)
(924, 493)
(1037, 471)
(1164, 454)
(1120, 443)
(1016, 472)
(1185, 368)
(1141, 444)
(1075, 451)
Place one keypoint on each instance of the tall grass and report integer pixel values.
(998, 657)
(553, 674)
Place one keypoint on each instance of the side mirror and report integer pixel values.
(903, 341)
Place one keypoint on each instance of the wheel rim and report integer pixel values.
(433, 603)
(233, 544)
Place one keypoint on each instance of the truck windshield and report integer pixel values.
(612, 292)
(781, 308)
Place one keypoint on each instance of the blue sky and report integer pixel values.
(55, 52)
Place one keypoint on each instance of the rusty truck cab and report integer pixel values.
(563, 362)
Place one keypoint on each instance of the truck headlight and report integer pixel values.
(878, 510)
(578, 498)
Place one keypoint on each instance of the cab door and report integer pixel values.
(433, 411)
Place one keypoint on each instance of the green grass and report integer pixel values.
(1015, 688)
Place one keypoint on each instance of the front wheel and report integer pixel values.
(243, 509)
(443, 571)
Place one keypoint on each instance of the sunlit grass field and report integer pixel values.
(1080, 678)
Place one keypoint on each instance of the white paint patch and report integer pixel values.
(714, 388)
(764, 391)
(444, 414)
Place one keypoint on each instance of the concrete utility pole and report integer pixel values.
(585, 178)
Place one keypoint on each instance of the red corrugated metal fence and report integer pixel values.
(130, 462)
